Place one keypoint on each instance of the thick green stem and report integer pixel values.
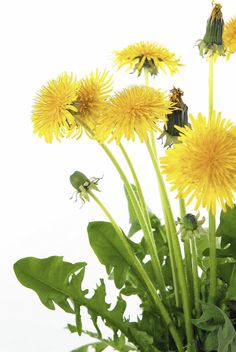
(176, 250)
(187, 256)
(148, 237)
(172, 264)
(195, 279)
(138, 268)
(211, 86)
(212, 244)
(156, 263)
(151, 289)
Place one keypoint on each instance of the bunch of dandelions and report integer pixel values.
(199, 164)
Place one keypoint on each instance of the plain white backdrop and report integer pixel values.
(39, 40)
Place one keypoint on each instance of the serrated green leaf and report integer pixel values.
(56, 281)
(109, 249)
(35, 274)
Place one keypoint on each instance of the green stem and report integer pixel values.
(172, 263)
(187, 255)
(142, 273)
(148, 236)
(195, 279)
(176, 250)
(211, 86)
(212, 244)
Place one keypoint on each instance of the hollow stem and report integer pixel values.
(212, 245)
(147, 234)
(138, 268)
(176, 250)
(195, 279)
(211, 86)
(187, 255)
(138, 210)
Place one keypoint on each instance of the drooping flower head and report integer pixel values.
(203, 166)
(229, 36)
(178, 117)
(212, 43)
(149, 56)
(134, 110)
(92, 94)
(53, 110)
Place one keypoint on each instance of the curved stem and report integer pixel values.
(155, 259)
(148, 236)
(176, 249)
(142, 273)
(212, 244)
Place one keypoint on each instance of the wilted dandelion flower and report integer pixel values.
(53, 110)
(203, 166)
(91, 97)
(229, 36)
(149, 56)
(212, 43)
(134, 110)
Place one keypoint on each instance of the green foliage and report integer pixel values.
(58, 282)
(220, 334)
(109, 249)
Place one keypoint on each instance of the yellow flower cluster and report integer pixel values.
(65, 105)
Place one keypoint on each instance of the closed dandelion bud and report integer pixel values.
(190, 222)
(83, 185)
(212, 43)
(178, 117)
(191, 227)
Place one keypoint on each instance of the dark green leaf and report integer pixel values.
(109, 249)
(217, 323)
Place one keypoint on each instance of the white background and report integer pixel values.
(39, 40)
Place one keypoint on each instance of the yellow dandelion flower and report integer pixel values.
(92, 94)
(134, 110)
(229, 36)
(203, 166)
(53, 110)
(147, 55)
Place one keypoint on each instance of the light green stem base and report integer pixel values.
(212, 245)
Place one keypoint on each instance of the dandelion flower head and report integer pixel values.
(149, 56)
(134, 110)
(203, 166)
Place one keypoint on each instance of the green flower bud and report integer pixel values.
(78, 179)
(83, 185)
(190, 222)
(212, 43)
